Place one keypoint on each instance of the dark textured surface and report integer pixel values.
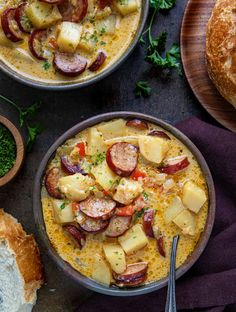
(172, 100)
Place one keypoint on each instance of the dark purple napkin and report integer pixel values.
(211, 283)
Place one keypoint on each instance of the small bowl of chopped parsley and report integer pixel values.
(11, 151)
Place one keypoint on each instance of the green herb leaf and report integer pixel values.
(159, 43)
(33, 132)
(98, 158)
(63, 205)
(142, 89)
(24, 116)
(162, 4)
(46, 65)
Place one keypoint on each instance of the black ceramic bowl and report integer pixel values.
(66, 267)
(63, 85)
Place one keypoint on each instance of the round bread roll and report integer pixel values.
(20, 267)
(221, 48)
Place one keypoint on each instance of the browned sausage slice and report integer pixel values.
(160, 134)
(118, 226)
(78, 236)
(68, 64)
(73, 11)
(137, 123)
(36, 39)
(98, 208)
(134, 274)
(148, 219)
(51, 182)
(100, 59)
(10, 26)
(20, 17)
(174, 165)
(91, 225)
(122, 158)
(133, 283)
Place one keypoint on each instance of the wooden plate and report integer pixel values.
(193, 38)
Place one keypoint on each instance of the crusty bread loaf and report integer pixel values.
(20, 267)
(221, 48)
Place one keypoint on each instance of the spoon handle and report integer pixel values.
(171, 301)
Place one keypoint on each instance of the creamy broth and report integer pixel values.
(19, 57)
(158, 198)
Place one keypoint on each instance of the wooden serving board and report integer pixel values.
(193, 38)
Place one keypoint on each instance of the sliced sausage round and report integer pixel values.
(161, 246)
(73, 11)
(134, 274)
(160, 134)
(122, 158)
(10, 26)
(148, 219)
(98, 208)
(68, 64)
(70, 168)
(51, 182)
(91, 225)
(77, 235)
(174, 165)
(137, 123)
(118, 226)
(20, 16)
(100, 59)
(36, 40)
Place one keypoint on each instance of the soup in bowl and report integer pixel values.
(65, 43)
(113, 196)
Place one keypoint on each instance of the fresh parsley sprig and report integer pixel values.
(25, 116)
(156, 46)
(142, 89)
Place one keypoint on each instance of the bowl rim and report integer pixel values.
(20, 151)
(66, 267)
(76, 85)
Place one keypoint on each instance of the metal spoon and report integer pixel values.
(171, 300)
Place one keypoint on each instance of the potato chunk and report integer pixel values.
(193, 196)
(153, 149)
(125, 7)
(112, 129)
(69, 37)
(101, 271)
(104, 176)
(132, 139)
(186, 221)
(43, 15)
(76, 187)
(62, 211)
(116, 257)
(175, 207)
(133, 240)
(127, 191)
(95, 143)
(106, 25)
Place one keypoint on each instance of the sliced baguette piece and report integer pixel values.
(20, 267)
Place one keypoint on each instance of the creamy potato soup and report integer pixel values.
(65, 40)
(114, 196)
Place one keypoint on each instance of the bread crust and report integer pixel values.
(26, 252)
(221, 48)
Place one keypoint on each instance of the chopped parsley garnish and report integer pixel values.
(7, 150)
(142, 89)
(103, 43)
(25, 119)
(46, 65)
(155, 52)
(145, 195)
(63, 205)
(98, 158)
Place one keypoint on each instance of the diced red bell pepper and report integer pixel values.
(103, 3)
(125, 211)
(81, 146)
(75, 207)
(136, 174)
